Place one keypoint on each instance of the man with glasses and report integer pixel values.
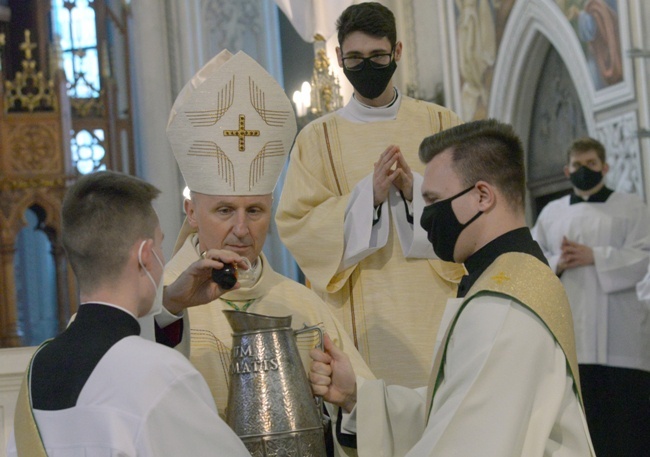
(349, 223)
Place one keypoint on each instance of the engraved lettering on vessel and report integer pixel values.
(240, 364)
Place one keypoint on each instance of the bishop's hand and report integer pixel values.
(195, 285)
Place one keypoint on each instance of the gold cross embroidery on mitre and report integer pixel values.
(242, 133)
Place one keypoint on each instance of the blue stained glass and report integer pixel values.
(78, 40)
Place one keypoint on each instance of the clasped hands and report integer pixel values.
(574, 255)
(391, 168)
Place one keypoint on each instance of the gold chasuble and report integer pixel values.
(391, 305)
(533, 285)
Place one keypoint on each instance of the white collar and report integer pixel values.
(355, 111)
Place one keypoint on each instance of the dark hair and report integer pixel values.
(371, 18)
(486, 150)
(103, 215)
(586, 144)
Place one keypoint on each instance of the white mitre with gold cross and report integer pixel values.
(231, 128)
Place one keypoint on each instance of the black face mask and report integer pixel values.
(371, 82)
(584, 178)
(442, 226)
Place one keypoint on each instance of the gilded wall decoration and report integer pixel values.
(31, 149)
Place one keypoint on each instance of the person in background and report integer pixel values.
(598, 242)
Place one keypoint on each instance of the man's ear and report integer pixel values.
(143, 248)
(567, 173)
(398, 51)
(605, 168)
(339, 56)
(487, 195)
(190, 211)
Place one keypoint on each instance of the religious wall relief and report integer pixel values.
(619, 137)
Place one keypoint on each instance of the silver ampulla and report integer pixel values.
(270, 404)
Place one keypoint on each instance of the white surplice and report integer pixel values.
(612, 327)
(142, 399)
(506, 392)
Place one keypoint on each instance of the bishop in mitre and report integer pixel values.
(231, 129)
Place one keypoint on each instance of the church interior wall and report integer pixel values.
(614, 112)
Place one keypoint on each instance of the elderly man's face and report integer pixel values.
(238, 224)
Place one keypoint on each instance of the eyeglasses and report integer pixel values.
(358, 63)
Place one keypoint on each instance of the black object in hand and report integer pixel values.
(226, 277)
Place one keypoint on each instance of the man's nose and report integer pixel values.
(240, 228)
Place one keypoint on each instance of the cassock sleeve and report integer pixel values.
(543, 238)
(412, 237)
(362, 236)
(504, 383)
(622, 267)
(184, 421)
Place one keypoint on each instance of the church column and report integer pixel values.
(8, 334)
(152, 102)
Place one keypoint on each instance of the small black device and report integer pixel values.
(226, 277)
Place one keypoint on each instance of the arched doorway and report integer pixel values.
(541, 86)
(556, 120)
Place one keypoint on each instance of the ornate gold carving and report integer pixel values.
(270, 149)
(31, 149)
(325, 88)
(225, 99)
(273, 118)
(29, 183)
(11, 195)
(225, 168)
(242, 133)
(30, 91)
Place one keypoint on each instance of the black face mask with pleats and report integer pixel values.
(442, 226)
(584, 178)
(371, 82)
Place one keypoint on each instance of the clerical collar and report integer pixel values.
(355, 111)
(518, 240)
(599, 197)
